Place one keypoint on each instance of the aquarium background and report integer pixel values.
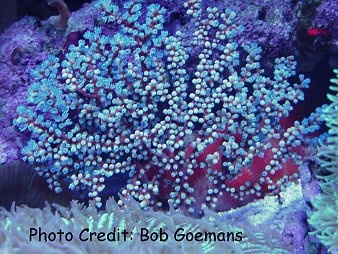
(169, 114)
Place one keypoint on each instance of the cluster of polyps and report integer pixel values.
(222, 143)
(197, 134)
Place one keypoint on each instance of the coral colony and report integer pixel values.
(194, 121)
(325, 219)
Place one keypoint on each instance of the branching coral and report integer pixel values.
(325, 218)
(61, 6)
(195, 123)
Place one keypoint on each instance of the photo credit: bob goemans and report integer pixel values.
(144, 235)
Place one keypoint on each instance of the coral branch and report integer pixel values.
(204, 132)
(63, 10)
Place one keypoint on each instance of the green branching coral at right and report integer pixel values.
(325, 219)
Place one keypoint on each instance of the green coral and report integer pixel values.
(325, 218)
(15, 227)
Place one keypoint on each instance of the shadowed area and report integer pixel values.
(21, 184)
